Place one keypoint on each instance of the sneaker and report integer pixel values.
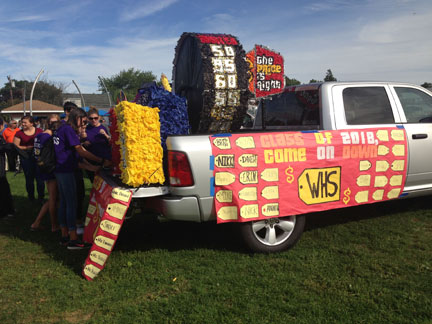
(64, 240)
(78, 245)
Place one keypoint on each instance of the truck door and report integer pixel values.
(364, 106)
(415, 106)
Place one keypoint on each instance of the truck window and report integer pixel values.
(416, 104)
(293, 108)
(367, 105)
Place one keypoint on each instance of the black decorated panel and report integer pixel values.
(210, 70)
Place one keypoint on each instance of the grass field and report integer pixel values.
(370, 264)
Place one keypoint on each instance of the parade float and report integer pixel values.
(210, 81)
(255, 176)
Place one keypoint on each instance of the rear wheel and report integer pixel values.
(273, 234)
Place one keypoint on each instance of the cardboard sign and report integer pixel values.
(266, 71)
(259, 176)
(105, 214)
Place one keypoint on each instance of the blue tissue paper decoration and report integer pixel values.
(173, 113)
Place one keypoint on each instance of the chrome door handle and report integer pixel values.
(419, 136)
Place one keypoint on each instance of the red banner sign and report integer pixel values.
(266, 70)
(259, 176)
(105, 214)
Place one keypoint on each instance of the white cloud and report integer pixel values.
(408, 28)
(85, 63)
(30, 18)
(146, 9)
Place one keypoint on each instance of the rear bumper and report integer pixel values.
(175, 208)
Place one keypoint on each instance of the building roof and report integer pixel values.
(96, 100)
(37, 107)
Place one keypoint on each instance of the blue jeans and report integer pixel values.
(68, 200)
(31, 174)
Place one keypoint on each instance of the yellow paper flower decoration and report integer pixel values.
(165, 83)
(140, 144)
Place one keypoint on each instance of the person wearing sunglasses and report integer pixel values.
(96, 138)
(68, 148)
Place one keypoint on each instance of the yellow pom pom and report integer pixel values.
(165, 83)
(140, 144)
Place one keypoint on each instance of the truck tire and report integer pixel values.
(273, 234)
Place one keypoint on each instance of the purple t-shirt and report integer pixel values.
(99, 144)
(65, 139)
(39, 143)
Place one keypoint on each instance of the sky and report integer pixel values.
(375, 40)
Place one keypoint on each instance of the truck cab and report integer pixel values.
(348, 105)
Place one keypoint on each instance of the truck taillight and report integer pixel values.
(179, 170)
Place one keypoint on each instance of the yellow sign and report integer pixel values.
(104, 242)
(222, 143)
(380, 181)
(398, 150)
(382, 166)
(383, 150)
(121, 194)
(110, 227)
(270, 209)
(362, 196)
(249, 211)
(378, 194)
(270, 192)
(396, 180)
(397, 135)
(248, 194)
(248, 160)
(316, 186)
(224, 178)
(398, 165)
(91, 271)
(246, 142)
(224, 196)
(227, 212)
(98, 257)
(365, 165)
(248, 177)
(270, 174)
(364, 180)
(382, 135)
(224, 161)
(116, 210)
(394, 193)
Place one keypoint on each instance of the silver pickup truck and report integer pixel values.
(321, 106)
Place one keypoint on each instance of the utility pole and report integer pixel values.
(12, 85)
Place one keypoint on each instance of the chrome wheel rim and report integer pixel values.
(273, 231)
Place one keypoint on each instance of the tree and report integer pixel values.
(290, 82)
(329, 76)
(129, 81)
(47, 91)
(427, 85)
(314, 81)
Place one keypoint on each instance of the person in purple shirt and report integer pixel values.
(96, 138)
(67, 148)
(49, 178)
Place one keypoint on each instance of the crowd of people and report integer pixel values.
(80, 142)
